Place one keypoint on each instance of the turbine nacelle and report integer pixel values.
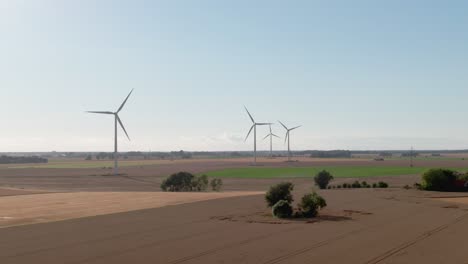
(116, 114)
(287, 131)
(254, 124)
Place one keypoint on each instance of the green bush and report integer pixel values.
(345, 185)
(374, 185)
(339, 186)
(322, 179)
(216, 184)
(381, 184)
(310, 204)
(439, 180)
(178, 182)
(281, 191)
(282, 209)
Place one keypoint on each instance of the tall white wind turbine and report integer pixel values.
(287, 138)
(254, 127)
(116, 120)
(271, 135)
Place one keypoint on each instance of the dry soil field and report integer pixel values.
(70, 215)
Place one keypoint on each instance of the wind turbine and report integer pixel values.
(287, 138)
(116, 120)
(254, 127)
(271, 135)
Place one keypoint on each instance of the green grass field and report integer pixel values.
(304, 172)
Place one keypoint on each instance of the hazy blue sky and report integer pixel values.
(355, 74)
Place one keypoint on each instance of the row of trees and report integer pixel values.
(16, 160)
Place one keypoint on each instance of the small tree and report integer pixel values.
(89, 157)
(310, 204)
(322, 179)
(281, 191)
(282, 209)
(216, 184)
(200, 183)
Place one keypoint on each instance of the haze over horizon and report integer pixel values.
(359, 76)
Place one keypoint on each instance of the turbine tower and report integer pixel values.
(254, 127)
(116, 120)
(287, 138)
(271, 135)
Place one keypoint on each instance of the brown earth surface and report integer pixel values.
(39, 208)
(359, 226)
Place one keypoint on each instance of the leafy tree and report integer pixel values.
(439, 180)
(310, 204)
(322, 179)
(216, 184)
(281, 191)
(178, 182)
(200, 183)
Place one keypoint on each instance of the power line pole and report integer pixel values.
(411, 157)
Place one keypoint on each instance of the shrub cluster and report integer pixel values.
(357, 184)
(279, 198)
(187, 182)
(444, 180)
(322, 179)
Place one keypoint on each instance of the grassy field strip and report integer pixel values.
(305, 172)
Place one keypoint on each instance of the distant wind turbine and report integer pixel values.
(254, 127)
(271, 135)
(116, 120)
(287, 138)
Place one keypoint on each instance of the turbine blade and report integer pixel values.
(286, 137)
(275, 135)
(262, 124)
(120, 122)
(125, 101)
(294, 128)
(100, 112)
(249, 133)
(270, 129)
(266, 136)
(283, 125)
(251, 118)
